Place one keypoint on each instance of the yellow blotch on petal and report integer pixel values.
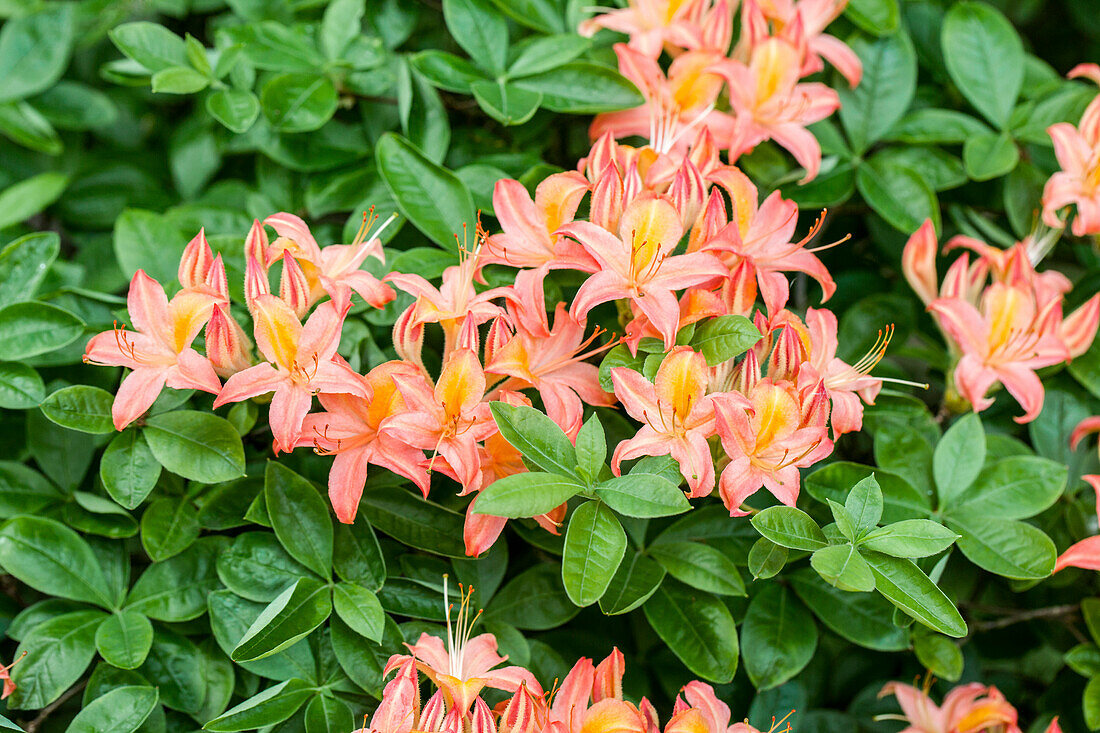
(613, 716)
(681, 380)
(776, 413)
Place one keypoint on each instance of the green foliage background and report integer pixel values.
(137, 562)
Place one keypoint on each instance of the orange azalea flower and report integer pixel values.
(158, 352)
(770, 103)
(849, 386)
(353, 429)
(1078, 152)
(529, 238)
(639, 264)
(677, 416)
(465, 666)
(301, 361)
(970, 708)
(655, 24)
(1084, 554)
(803, 23)
(674, 104)
(590, 700)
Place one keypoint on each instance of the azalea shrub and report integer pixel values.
(523, 366)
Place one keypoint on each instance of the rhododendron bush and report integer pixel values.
(525, 366)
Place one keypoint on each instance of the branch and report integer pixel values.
(1022, 616)
(32, 726)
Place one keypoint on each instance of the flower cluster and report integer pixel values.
(1001, 318)
(590, 698)
(770, 410)
(1078, 152)
(969, 708)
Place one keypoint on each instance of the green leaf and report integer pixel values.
(341, 23)
(53, 559)
(1090, 610)
(766, 559)
(594, 547)
(910, 538)
(643, 495)
(298, 101)
(176, 589)
(1084, 659)
(179, 80)
(481, 31)
(447, 71)
(985, 58)
(789, 527)
(907, 587)
(300, 518)
(273, 705)
(534, 600)
(897, 194)
(1016, 487)
(884, 92)
(121, 710)
(582, 88)
(536, 436)
(778, 637)
(124, 639)
(196, 445)
(879, 17)
(58, 650)
(432, 197)
(360, 610)
(257, 567)
(128, 469)
(236, 109)
(723, 338)
(544, 16)
(139, 245)
(82, 408)
(634, 582)
(700, 566)
(26, 126)
(958, 458)
(297, 611)
(536, 54)
(1090, 703)
(230, 617)
(841, 566)
(990, 155)
(30, 196)
(506, 103)
(275, 47)
(697, 627)
(357, 556)
(936, 126)
(34, 50)
(20, 387)
(844, 522)
(940, 655)
(168, 527)
(591, 448)
(618, 356)
(24, 264)
(34, 328)
(326, 714)
(864, 504)
(861, 618)
(24, 491)
(1002, 546)
(151, 45)
(526, 494)
(414, 521)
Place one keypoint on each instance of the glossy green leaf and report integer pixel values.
(414, 521)
(984, 57)
(1002, 546)
(723, 338)
(298, 102)
(1016, 487)
(300, 518)
(778, 637)
(297, 611)
(198, 446)
(51, 558)
(910, 538)
(58, 651)
(697, 627)
(359, 609)
(861, 618)
(128, 469)
(595, 543)
(907, 587)
(24, 263)
(637, 578)
(958, 458)
(237, 109)
(536, 436)
(81, 407)
(580, 87)
(124, 639)
(176, 589)
(33, 328)
(34, 50)
(789, 527)
(526, 494)
(168, 527)
(273, 705)
(643, 495)
(699, 566)
(21, 388)
(534, 600)
(884, 92)
(480, 29)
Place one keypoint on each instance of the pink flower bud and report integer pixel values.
(294, 287)
(195, 261)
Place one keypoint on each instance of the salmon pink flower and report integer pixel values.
(465, 666)
(803, 23)
(301, 361)
(1084, 554)
(674, 104)
(158, 352)
(972, 707)
(227, 345)
(529, 238)
(654, 24)
(448, 418)
(769, 102)
(399, 709)
(5, 675)
(1078, 183)
(769, 436)
(846, 384)
(639, 264)
(590, 700)
(677, 416)
(352, 429)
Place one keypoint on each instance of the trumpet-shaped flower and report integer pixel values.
(449, 419)
(529, 238)
(1078, 152)
(352, 428)
(158, 351)
(967, 708)
(803, 23)
(301, 361)
(639, 264)
(769, 102)
(464, 666)
(674, 104)
(590, 700)
(846, 384)
(780, 429)
(653, 24)
(677, 416)
(399, 709)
